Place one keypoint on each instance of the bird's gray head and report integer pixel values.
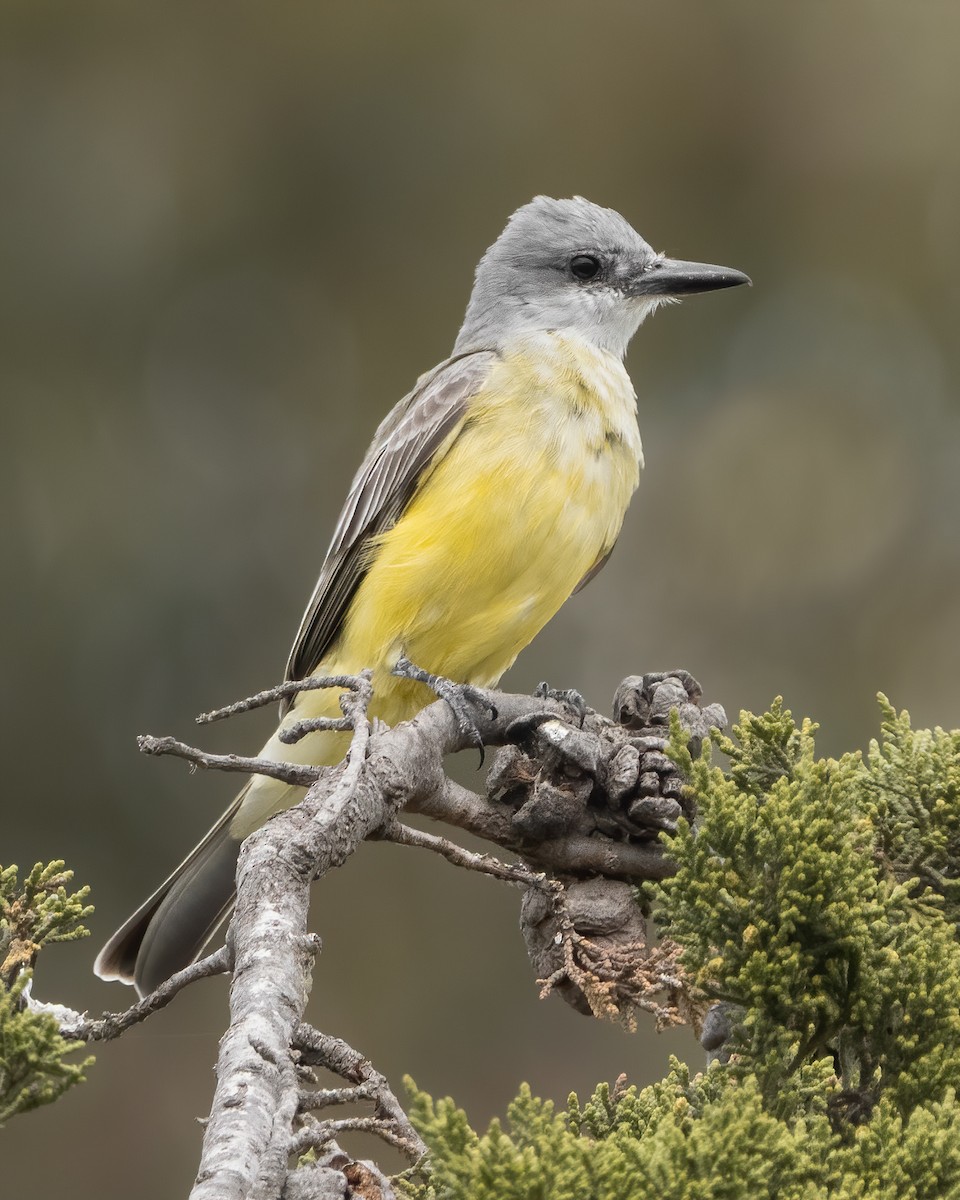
(572, 266)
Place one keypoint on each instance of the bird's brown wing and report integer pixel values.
(402, 450)
(595, 569)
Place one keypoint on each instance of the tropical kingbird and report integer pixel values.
(491, 492)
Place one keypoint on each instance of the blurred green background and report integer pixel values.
(231, 236)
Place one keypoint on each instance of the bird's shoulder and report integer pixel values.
(409, 436)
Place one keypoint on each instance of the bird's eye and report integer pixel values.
(584, 266)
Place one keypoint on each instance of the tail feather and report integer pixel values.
(170, 930)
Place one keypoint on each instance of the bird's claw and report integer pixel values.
(569, 696)
(458, 696)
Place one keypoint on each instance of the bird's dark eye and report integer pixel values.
(584, 266)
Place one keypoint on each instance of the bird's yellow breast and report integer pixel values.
(529, 495)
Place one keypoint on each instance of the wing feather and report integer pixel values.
(594, 570)
(402, 450)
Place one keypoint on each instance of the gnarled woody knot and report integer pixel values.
(606, 780)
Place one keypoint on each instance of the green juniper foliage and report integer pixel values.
(818, 901)
(33, 1070)
(911, 794)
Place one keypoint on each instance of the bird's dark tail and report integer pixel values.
(170, 930)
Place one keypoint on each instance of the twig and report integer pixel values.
(314, 1098)
(283, 691)
(355, 711)
(112, 1025)
(78, 1027)
(299, 776)
(318, 1134)
(470, 860)
(291, 734)
(334, 1054)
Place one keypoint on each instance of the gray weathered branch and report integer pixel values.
(578, 798)
(536, 807)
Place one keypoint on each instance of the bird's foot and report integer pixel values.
(569, 696)
(458, 696)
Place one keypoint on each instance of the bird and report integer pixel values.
(490, 493)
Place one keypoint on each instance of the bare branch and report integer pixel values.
(283, 691)
(486, 864)
(313, 1098)
(112, 1025)
(334, 1054)
(317, 1135)
(299, 729)
(293, 773)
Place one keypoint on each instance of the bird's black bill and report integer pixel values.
(673, 277)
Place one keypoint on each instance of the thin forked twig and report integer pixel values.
(112, 1025)
(389, 1120)
(317, 1135)
(283, 691)
(516, 873)
(295, 773)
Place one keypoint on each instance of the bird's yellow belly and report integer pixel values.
(531, 494)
